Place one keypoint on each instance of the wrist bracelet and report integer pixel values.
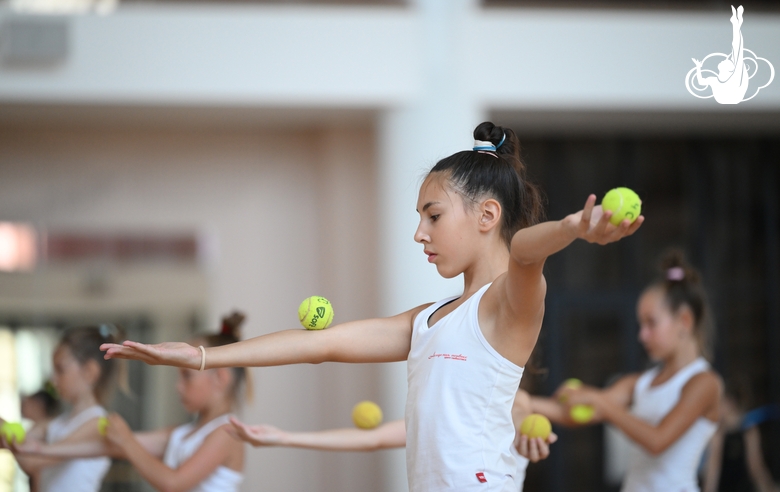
(202, 357)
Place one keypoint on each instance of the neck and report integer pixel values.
(83, 402)
(489, 267)
(687, 352)
(213, 411)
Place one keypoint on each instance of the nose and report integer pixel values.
(420, 235)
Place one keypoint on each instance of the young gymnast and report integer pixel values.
(198, 457)
(671, 411)
(387, 436)
(478, 217)
(83, 379)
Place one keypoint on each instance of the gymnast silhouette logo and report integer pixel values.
(729, 85)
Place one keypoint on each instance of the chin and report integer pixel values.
(446, 272)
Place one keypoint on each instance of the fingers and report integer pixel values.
(522, 445)
(552, 438)
(587, 211)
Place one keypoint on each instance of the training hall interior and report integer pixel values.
(165, 162)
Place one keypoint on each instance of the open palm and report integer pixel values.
(176, 354)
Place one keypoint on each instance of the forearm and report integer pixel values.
(33, 464)
(534, 244)
(650, 437)
(86, 449)
(160, 476)
(550, 409)
(376, 340)
(346, 439)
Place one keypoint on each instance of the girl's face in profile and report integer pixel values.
(447, 229)
(195, 389)
(660, 330)
(69, 378)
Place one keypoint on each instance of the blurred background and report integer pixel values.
(164, 162)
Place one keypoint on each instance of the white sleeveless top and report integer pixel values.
(459, 406)
(675, 468)
(522, 464)
(78, 475)
(182, 445)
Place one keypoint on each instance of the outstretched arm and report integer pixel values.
(153, 442)
(389, 435)
(519, 296)
(32, 464)
(699, 397)
(214, 451)
(372, 340)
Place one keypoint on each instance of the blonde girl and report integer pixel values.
(479, 216)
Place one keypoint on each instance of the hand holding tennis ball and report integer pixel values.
(582, 414)
(367, 415)
(623, 203)
(103, 426)
(13, 432)
(315, 313)
(536, 425)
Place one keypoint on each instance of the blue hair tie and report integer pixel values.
(485, 146)
(501, 142)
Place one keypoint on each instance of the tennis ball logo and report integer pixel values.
(624, 204)
(367, 415)
(13, 432)
(315, 313)
(536, 425)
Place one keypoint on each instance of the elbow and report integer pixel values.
(657, 448)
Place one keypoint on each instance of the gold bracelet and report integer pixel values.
(202, 357)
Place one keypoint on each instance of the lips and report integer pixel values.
(431, 256)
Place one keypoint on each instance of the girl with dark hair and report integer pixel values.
(200, 456)
(84, 381)
(671, 411)
(479, 216)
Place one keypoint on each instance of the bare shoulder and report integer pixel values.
(707, 382)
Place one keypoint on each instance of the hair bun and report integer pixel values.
(674, 268)
(231, 324)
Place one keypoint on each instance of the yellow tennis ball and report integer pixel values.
(102, 426)
(623, 203)
(315, 313)
(572, 383)
(13, 431)
(581, 413)
(367, 415)
(536, 425)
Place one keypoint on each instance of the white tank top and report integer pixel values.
(522, 464)
(674, 469)
(79, 475)
(182, 445)
(459, 406)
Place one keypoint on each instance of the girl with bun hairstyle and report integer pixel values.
(671, 411)
(480, 217)
(200, 456)
(84, 381)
